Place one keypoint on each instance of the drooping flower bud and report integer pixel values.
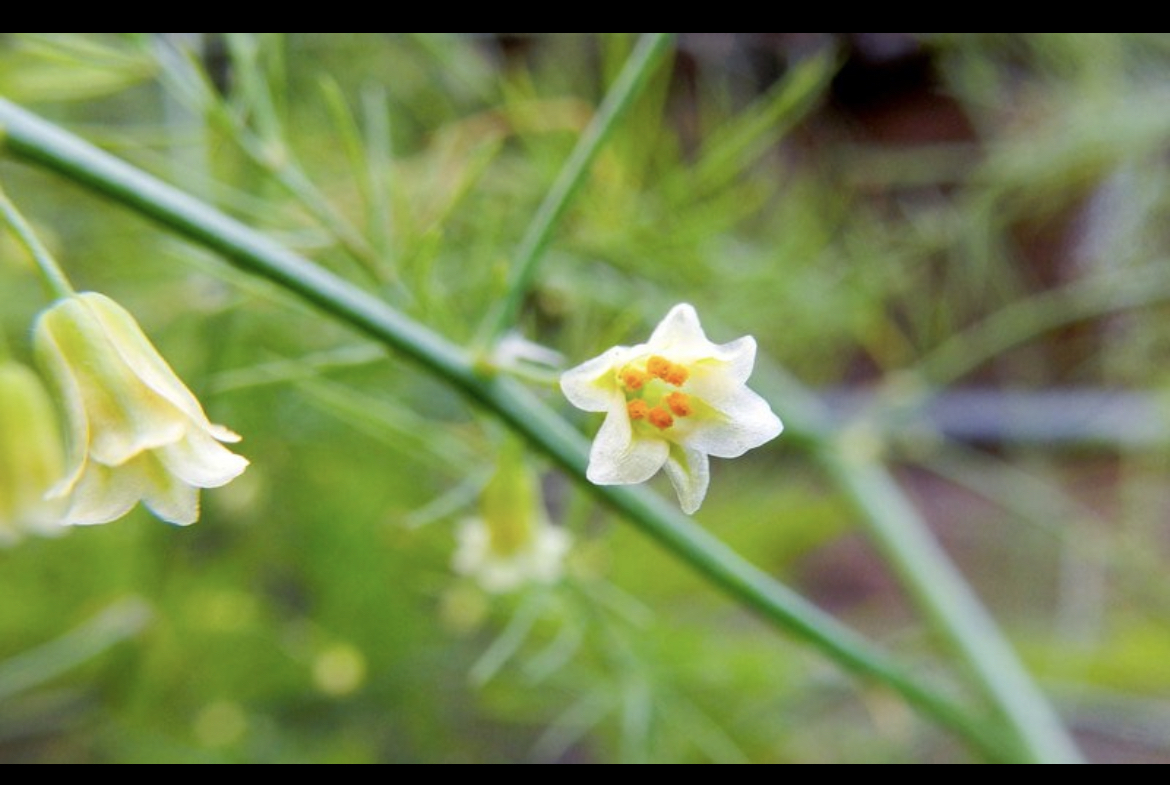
(512, 543)
(31, 458)
(137, 432)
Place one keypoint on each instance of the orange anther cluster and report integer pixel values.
(633, 379)
(638, 409)
(664, 369)
(680, 404)
(678, 375)
(658, 366)
(636, 380)
(660, 418)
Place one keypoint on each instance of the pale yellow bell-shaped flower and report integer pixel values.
(31, 458)
(512, 543)
(670, 403)
(137, 432)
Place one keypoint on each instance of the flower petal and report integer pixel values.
(201, 461)
(736, 359)
(109, 405)
(69, 391)
(31, 458)
(689, 471)
(148, 365)
(548, 554)
(590, 386)
(473, 540)
(541, 560)
(101, 494)
(680, 336)
(742, 421)
(619, 457)
(127, 339)
(167, 496)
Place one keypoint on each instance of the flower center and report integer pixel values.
(653, 394)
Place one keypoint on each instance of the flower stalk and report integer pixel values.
(54, 278)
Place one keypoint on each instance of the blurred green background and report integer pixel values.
(960, 239)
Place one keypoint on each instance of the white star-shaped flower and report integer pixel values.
(670, 403)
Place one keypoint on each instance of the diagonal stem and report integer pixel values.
(32, 669)
(937, 587)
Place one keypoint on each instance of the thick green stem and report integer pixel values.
(48, 146)
(51, 273)
(629, 83)
(928, 574)
(936, 586)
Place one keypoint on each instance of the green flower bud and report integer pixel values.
(31, 458)
(512, 543)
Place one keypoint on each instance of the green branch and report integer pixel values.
(924, 569)
(41, 143)
(937, 587)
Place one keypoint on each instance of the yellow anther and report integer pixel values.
(638, 409)
(680, 404)
(660, 418)
(659, 367)
(677, 375)
(633, 379)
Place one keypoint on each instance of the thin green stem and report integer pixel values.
(30, 670)
(51, 273)
(48, 146)
(266, 146)
(379, 157)
(1026, 319)
(628, 85)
